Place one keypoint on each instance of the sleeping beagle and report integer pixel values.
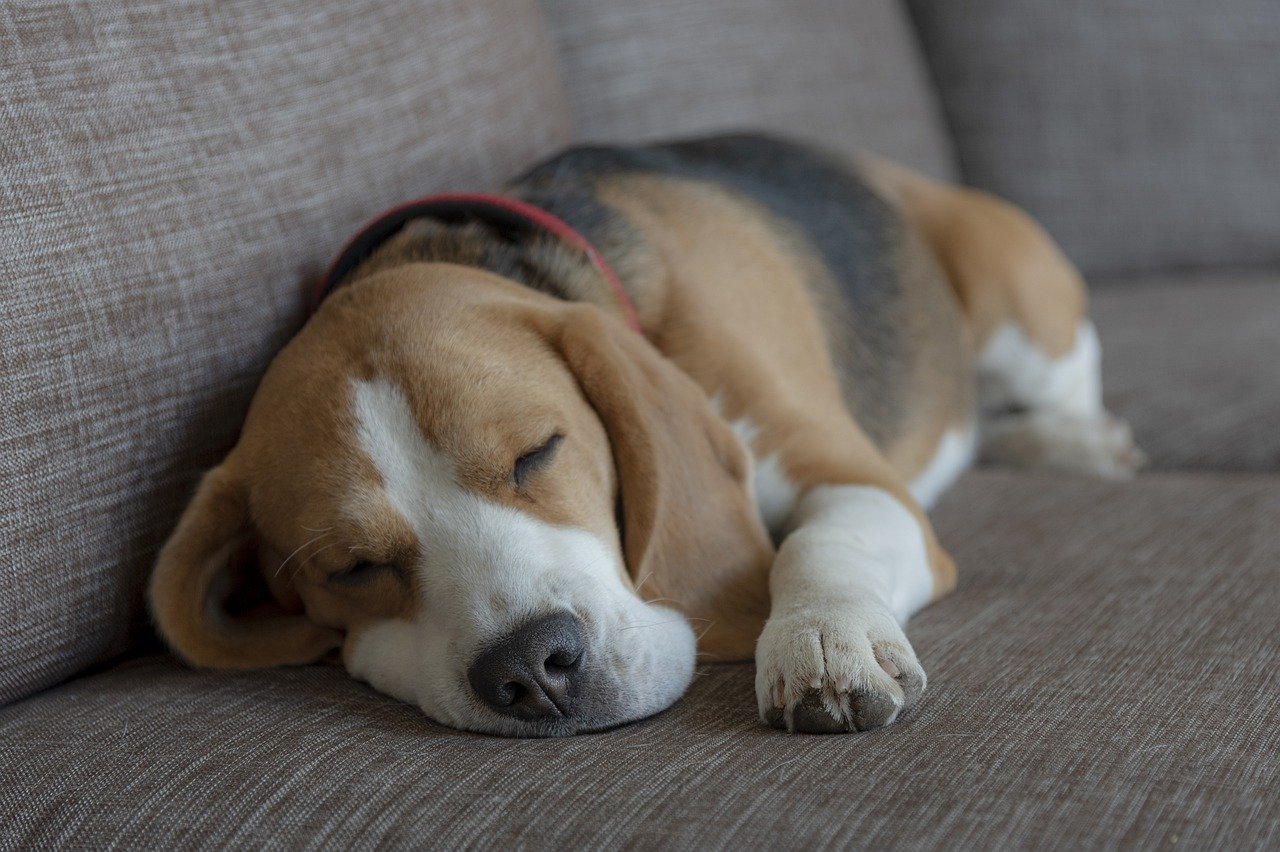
(536, 453)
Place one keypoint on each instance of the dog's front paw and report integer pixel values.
(835, 670)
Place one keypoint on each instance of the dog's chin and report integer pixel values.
(640, 662)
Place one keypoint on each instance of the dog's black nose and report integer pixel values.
(531, 673)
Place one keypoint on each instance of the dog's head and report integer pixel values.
(506, 509)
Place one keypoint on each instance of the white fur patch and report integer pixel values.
(857, 542)
(1013, 371)
(775, 494)
(954, 455)
(486, 568)
(1039, 412)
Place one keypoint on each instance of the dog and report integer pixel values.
(536, 452)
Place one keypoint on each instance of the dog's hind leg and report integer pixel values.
(1039, 411)
(1037, 354)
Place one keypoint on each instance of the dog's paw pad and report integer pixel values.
(810, 716)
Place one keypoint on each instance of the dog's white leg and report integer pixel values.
(1043, 412)
(832, 656)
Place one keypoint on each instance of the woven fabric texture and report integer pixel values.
(1193, 362)
(173, 175)
(1142, 134)
(845, 74)
(1104, 677)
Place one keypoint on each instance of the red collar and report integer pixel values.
(508, 211)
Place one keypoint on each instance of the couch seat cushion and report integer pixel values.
(1194, 363)
(1105, 676)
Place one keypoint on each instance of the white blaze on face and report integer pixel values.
(486, 568)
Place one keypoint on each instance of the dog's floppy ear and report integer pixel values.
(691, 533)
(198, 570)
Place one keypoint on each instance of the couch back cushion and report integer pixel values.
(845, 73)
(173, 174)
(1145, 135)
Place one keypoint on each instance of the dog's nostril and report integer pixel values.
(510, 693)
(532, 672)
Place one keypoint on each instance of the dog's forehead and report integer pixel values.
(475, 397)
(457, 342)
(411, 475)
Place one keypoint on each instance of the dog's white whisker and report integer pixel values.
(280, 567)
(302, 563)
(652, 624)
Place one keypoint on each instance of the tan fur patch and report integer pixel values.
(1003, 266)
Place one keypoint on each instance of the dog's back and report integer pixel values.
(890, 321)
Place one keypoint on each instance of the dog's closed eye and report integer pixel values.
(534, 460)
(362, 572)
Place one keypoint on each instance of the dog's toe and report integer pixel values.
(901, 665)
(822, 677)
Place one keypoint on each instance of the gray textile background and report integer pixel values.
(1104, 677)
(172, 176)
(1193, 362)
(846, 73)
(1144, 135)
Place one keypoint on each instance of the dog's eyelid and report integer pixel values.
(362, 571)
(535, 459)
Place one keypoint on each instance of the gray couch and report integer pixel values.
(174, 174)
